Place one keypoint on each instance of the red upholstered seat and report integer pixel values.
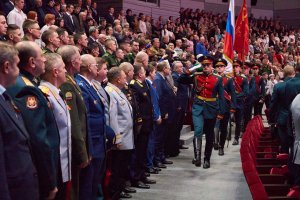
(294, 192)
(258, 192)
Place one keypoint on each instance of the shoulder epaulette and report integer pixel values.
(27, 82)
(132, 82)
(109, 89)
(217, 75)
(45, 90)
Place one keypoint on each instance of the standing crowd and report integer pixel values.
(92, 104)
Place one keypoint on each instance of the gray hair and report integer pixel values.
(125, 66)
(113, 74)
(52, 59)
(67, 52)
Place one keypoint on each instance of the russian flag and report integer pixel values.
(229, 36)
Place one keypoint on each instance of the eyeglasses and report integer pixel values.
(206, 65)
(220, 66)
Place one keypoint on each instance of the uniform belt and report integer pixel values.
(206, 98)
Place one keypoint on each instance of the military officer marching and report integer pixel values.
(230, 103)
(241, 91)
(209, 104)
(260, 90)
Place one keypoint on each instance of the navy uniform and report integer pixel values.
(241, 91)
(79, 136)
(249, 101)
(92, 175)
(209, 104)
(18, 174)
(260, 92)
(44, 135)
(230, 104)
(142, 94)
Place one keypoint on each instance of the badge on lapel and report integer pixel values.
(31, 102)
(69, 96)
(95, 102)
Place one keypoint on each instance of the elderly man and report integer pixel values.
(73, 96)
(15, 151)
(52, 79)
(31, 101)
(122, 123)
(90, 177)
(101, 41)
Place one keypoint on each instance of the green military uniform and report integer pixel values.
(80, 150)
(110, 59)
(265, 69)
(46, 50)
(41, 126)
(129, 58)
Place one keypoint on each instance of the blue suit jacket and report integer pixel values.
(18, 175)
(95, 118)
(154, 98)
(166, 97)
(182, 92)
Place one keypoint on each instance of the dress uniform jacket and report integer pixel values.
(73, 96)
(142, 93)
(279, 109)
(95, 117)
(154, 98)
(208, 89)
(63, 121)
(241, 89)
(121, 120)
(252, 89)
(43, 131)
(229, 93)
(137, 119)
(260, 87)
(18, 174)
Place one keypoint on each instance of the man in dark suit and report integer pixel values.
(8, 6)
(44, 135)
(110, 16)
(68, 20)
(17, 172)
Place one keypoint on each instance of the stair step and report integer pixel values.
(187, 138)
(185, 129)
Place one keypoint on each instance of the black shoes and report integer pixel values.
(140, 184)
(148, 181)
(151, 170)
(147, 174)
(124, 195)
(156, 168)
(167, 162)
(206, 164)
(129, 190)
(183, 147)
(216, 146)
(235, 142)
(221, 151)
(160, 165)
